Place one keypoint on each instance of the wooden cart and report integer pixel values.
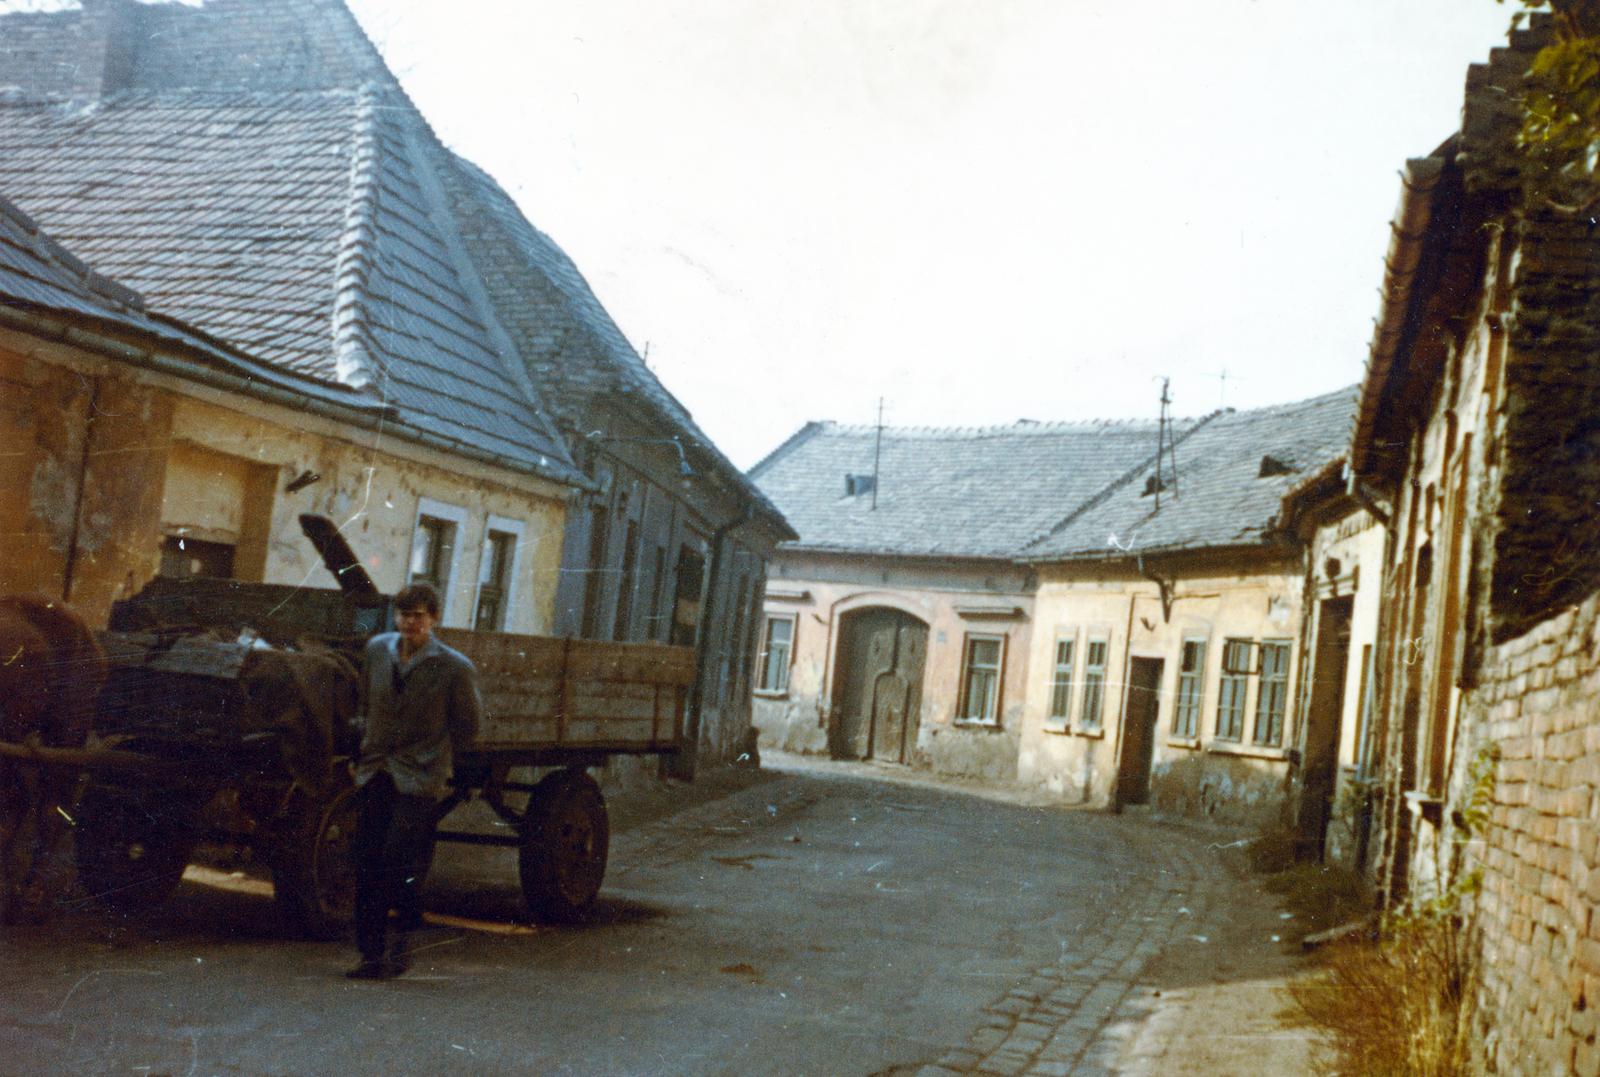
(180, 763)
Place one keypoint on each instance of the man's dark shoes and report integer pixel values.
(372, 968)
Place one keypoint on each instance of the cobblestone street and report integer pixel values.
(822, 919)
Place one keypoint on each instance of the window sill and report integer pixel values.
(767, 693)
(1192, 743)
(975, 723)
(1094, 733)
(1250, 751)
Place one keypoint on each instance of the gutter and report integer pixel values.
(375, 417)
(1419, 181)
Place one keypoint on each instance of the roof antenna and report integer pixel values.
(1166, 444)
(877, 454)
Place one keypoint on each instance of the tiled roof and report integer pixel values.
(38, 275)
(572, 348)
(303, 228)
(972, 492)
(1222, 497)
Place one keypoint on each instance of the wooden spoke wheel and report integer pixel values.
(314, 868)
(132, 847)
(566, 837)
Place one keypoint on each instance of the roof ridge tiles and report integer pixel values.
(353, 358)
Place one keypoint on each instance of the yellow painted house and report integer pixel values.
(141, 447)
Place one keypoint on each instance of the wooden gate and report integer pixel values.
(878, 685)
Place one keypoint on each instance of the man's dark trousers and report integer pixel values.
(393, 848)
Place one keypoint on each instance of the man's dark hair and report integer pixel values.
(418, 596)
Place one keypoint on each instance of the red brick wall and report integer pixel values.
(1536, 920)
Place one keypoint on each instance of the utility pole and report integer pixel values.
(877, 454)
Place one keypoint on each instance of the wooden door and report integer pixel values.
(1324, 713)
(878, 684)
(1139, 712)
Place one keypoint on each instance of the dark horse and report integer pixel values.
(51, 672)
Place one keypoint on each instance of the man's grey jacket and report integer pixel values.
(419, 715)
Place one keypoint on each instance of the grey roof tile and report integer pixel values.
(1222, 498)
(294, 225)
(967, 492)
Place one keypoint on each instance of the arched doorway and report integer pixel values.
(877, 694)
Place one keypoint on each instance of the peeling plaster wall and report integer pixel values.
(143, 420)
(1247, 596)
(798, 720)
(53, 495)
(376, 496)
(1356, 542)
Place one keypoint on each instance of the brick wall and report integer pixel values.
(1536, 925)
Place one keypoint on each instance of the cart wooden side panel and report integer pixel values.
(571, 694)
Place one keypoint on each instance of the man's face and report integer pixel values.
(415, 625)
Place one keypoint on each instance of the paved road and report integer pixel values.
(812, 923)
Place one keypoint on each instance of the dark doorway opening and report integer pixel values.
(1139, 713)
(1324, 713)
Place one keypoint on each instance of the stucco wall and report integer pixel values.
(143, 421)
(798, 719)
(1356, 542)
(1237, 783)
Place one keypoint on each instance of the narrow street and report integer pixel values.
(815, 921)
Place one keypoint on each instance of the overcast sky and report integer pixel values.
(980, 210)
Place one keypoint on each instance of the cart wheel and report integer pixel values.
(131, 849)
(314, 871)
(565, 838)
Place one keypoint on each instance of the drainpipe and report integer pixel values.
(688, 757)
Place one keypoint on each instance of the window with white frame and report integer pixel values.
(494, 580)
(1061, 681)
(434, 547)
(980, 679)
(777, 651)
(1091, 713)
(1232, 688)
(1191, 688)
(1273, 694)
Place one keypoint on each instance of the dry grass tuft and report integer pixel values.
(1400, 1006)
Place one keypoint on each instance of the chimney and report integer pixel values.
(108, 46)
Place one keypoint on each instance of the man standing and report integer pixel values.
(420, 707)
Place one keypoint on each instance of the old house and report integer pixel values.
(1164, 658)
(253, 167)
(140, 446)
(1336, 736)
(898, 625)
(1477, 438)
(999, 601)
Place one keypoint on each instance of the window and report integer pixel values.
(1191, 687)
(1364, 726)
(1231, 690)
(980, 680)
(494, 580)
(1272, 697)
(1094, 684)
(1061, 683)
(622, 626)
(777, 647)
(432, 551)
(690, 574)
